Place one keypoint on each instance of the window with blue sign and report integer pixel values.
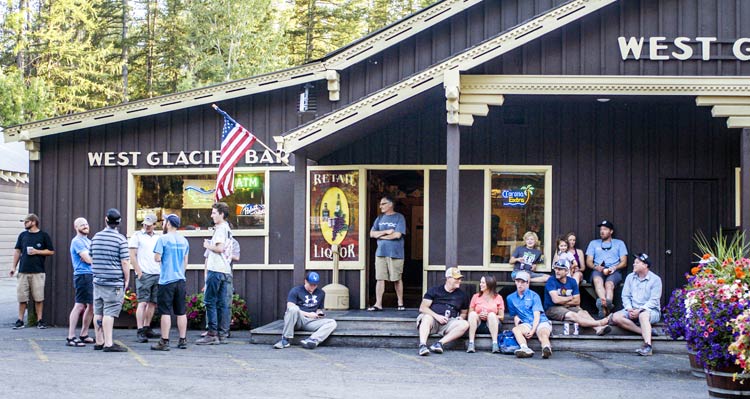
(517, 207)
(191, 196)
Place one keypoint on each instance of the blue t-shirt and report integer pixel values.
(525, 307)
(78, 245)
(570, 288)
(609, 254)
(173, 248)
(529, 257)
(390, 248)
(306, 301)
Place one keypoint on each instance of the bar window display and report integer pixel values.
(191, 196)
(518, 206)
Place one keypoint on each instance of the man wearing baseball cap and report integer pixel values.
(641, 296)
(525, 307)
(606, 257)
(141, 246)
(443, 311)
(304, 311)
(562, 300)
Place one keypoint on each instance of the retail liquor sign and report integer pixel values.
(182, 158)
(680, 48)
(334, 214)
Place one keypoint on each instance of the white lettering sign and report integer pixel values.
(182, 158)
(682, 48)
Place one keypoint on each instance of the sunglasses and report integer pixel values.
(607, 248)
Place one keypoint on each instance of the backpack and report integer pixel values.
(507, 343)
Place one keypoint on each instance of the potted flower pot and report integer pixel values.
(695, 370)
(727, 382)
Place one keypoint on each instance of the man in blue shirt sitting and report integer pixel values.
(641, 297)
(606, 257)
(304, 311)
(525, 307)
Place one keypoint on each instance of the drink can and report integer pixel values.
(566, 328)
(447, 313)
(575, 328)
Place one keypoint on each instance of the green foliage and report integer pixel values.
(722, 247)
(23, 100)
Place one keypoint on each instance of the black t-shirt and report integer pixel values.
(38, 240)
(443, 300)
(306, 301)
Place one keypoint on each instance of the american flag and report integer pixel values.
(235, 141)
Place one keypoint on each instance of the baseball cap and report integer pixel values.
(31, 217)
(644, 258)
(453, 272)
(560, 264)
(313, 278)
(113, 216)
(522, 275)
(173, 219)
(149, 219)
(606, 223)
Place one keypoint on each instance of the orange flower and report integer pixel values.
(741, 275)
(720, 281)
(706, 256)
(695, 270)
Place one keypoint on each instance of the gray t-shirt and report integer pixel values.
(390, 248)
(529, 257)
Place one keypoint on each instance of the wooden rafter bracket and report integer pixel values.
(735, 108)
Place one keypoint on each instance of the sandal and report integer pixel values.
(374, 309)
(74, 342)
(401, 308)
(86, 339)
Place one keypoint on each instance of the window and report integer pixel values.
(190, 197)
(519, 204)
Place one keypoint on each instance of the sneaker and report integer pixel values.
(524, 353)
(150, 333)
(600, 308)
(98, 347)
(41, 324)
(162, 345)
(423, 351)
(437, 347)
(18, 325)
(182, 344)
(141, 336)
(546, 352)
(309, 343)
(208, 340)
(223, 340)
(495, 348)
(470, 348)
(115, 348)
(645, 350)
(283, 343)
(603, 330)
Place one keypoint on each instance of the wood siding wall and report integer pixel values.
(14, 202)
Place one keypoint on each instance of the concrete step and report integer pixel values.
(392, 329)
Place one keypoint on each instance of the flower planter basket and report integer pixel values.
(727, 383)
(695, 370)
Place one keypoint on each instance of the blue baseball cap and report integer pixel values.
(313, 278)
(174, 220)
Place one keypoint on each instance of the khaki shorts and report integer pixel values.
(389, 269)
(545, 325)
(443, 329)
(558, 312)
(30, 283)
(108, 300)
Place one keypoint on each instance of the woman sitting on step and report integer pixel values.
(486, 312)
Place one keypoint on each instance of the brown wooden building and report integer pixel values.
(569, 112)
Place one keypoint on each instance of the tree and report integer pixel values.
(23, 100)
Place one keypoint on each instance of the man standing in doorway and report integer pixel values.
(218, 272)
(141, 246)
(389, 228)
(111, 266)
(606, 257)
(32, 248)
(83, 282)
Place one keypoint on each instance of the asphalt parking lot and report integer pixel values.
(38, 364)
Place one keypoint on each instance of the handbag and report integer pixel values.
(507, 343)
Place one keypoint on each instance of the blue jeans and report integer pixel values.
(215, 298)
(225, 307)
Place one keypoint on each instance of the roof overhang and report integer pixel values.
(324, 69)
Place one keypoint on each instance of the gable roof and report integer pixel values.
(316, 70)
(494, 47)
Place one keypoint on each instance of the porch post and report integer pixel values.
(453, 150)
(300, 198)
(745, 181)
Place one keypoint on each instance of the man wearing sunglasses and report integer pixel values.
(606, 257)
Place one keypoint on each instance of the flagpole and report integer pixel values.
(216, 107)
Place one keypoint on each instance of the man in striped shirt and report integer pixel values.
(111, 267)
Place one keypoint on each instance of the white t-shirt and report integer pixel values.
(144, 245)
(218, 262)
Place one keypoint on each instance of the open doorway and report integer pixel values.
(407, 189)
